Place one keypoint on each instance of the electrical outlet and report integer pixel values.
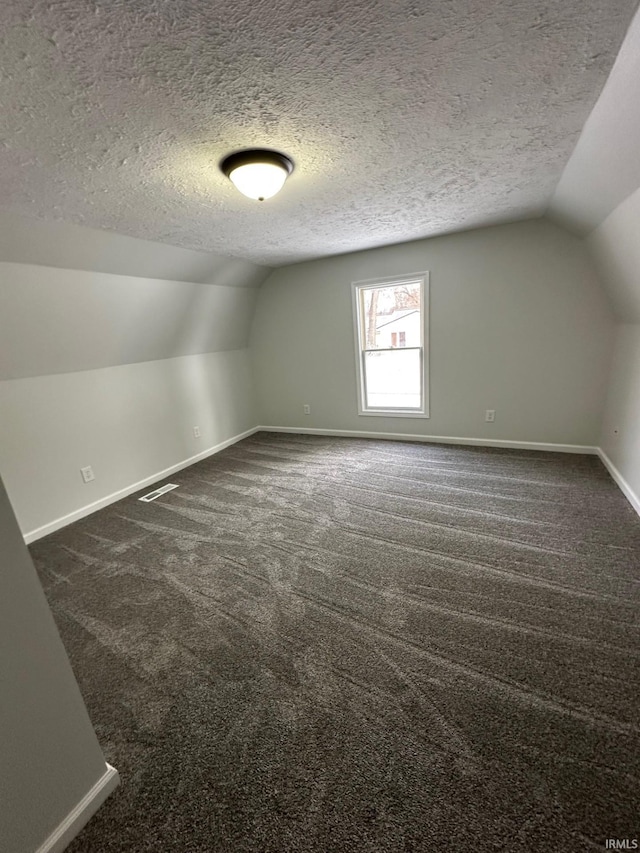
(306, 409)
(490, 416)
(87, 474)
(196, 432)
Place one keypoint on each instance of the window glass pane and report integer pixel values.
(390, 312)
(392, 379)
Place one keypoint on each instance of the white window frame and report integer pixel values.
(357, 287)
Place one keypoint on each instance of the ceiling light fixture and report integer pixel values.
(257, 172)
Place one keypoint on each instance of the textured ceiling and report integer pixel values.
(405, 118)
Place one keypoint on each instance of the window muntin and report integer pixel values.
(390, 345)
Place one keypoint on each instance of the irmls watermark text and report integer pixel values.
(621, 844)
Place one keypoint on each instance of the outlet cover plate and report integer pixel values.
(87, 474)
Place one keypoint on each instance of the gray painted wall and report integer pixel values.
(60, 321)
(113, 371)
(616, 249)
(519, 324)
(128, 422)
(620, 438)
(49, 754)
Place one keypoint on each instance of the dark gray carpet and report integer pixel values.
(321, 644)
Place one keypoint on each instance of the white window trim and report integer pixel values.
(356, 287)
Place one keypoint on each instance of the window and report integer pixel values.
(390, 325)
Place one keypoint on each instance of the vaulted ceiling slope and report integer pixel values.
(599, 192)
(405, 118)
(615, 246)
(69, 320)
(64, 245)
(604, 168)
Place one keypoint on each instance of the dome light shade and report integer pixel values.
(257, 172)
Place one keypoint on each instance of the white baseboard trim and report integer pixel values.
(64, 834)
(63, 521)
(625, 488)
(77, 514)
(439, 439)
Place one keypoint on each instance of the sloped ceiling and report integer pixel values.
(599, 192)
(70, 320)
(604, 168)
(405, 118)
(68, 246)
(615, 246)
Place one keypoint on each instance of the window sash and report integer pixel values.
(368, 407)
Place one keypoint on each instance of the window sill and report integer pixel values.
(393, 413)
